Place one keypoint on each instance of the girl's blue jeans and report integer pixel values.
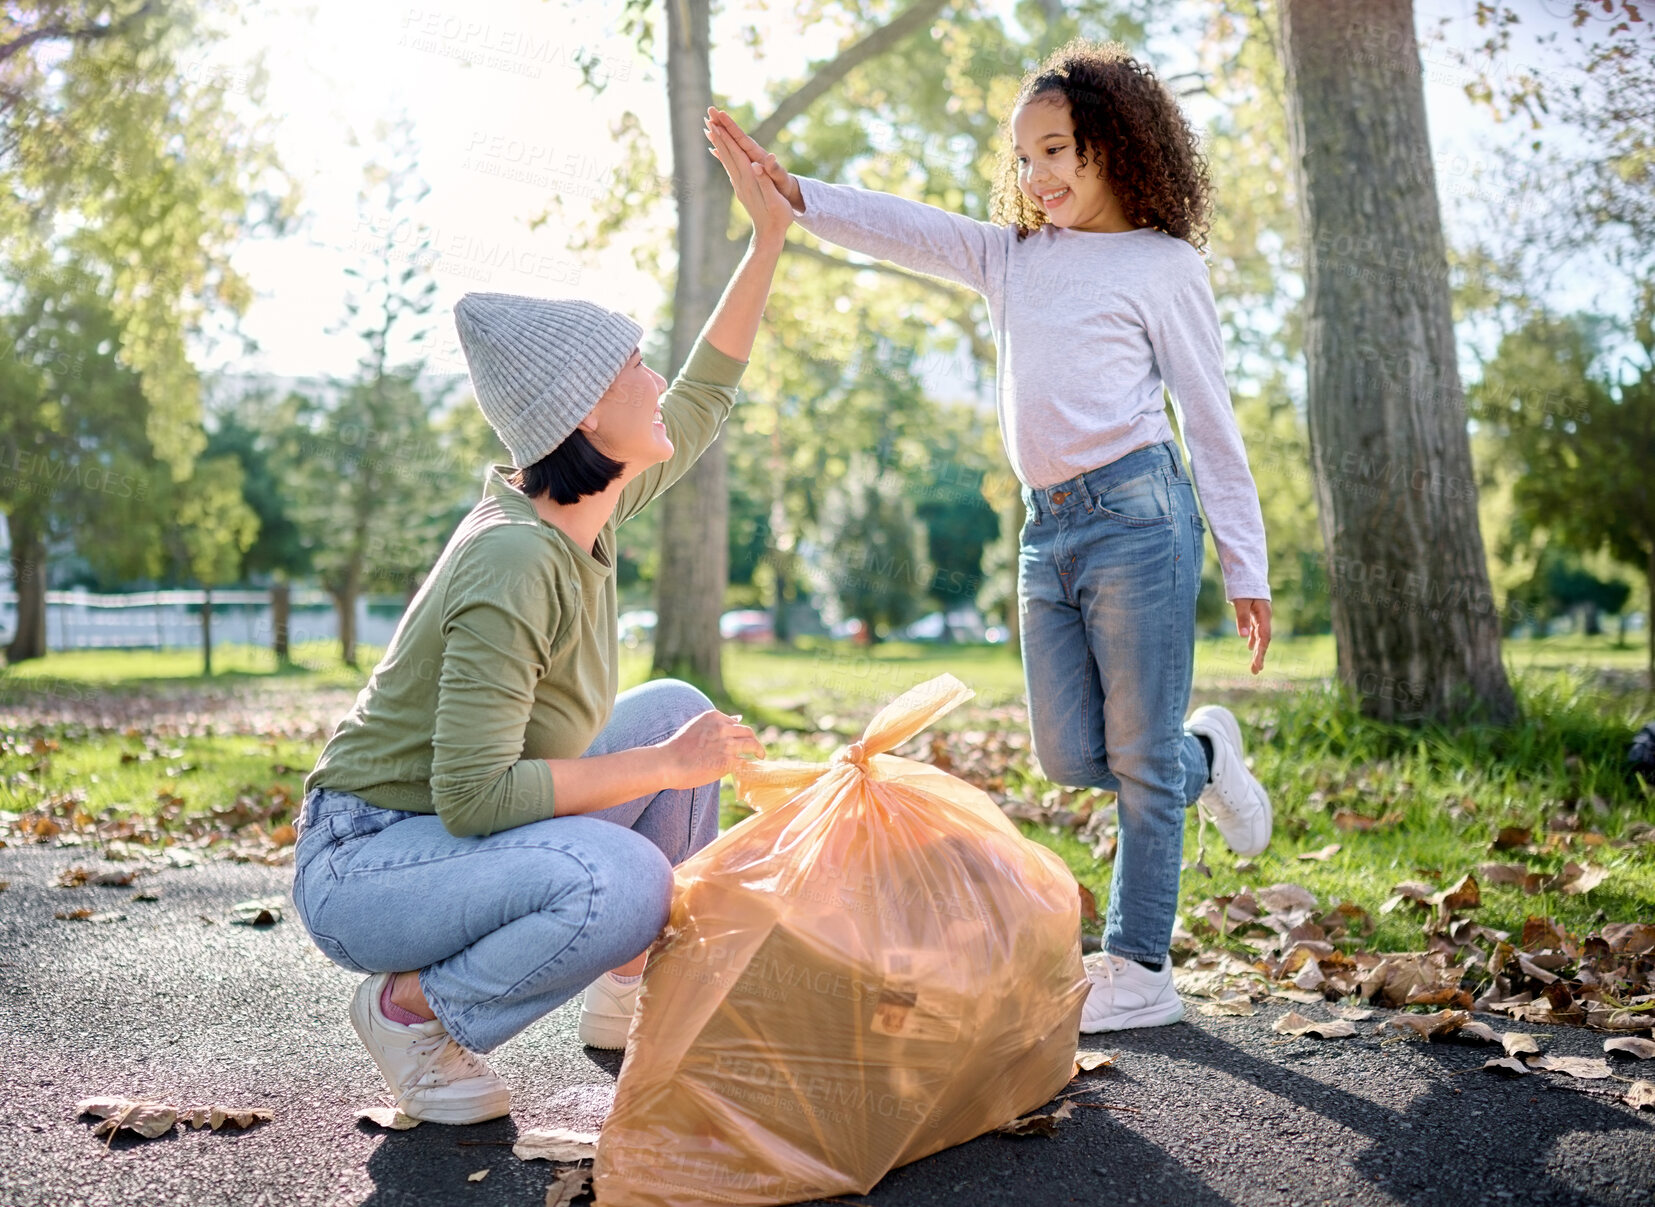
(505, 927)
(1109, 565)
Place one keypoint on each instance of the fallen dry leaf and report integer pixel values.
(555, 1144)
(388, 1117)
(1302, 997)
(1576, 878)
(1356, 1014)
(86, 915)
(1506, 1064)
(148, 1119)
(1517, 1043)
(1511, 837)
(1037, 1125)
(1088, 903)
(1480, 1031)
(215, 1116)
(478, 1176)
(1283, 898)
(1294, 1023)
(1643, 1049)
(1086, 1062)
(568, 1187)
(1464, 895)
(261, 911)
(1641, 1094)
(1586, 1068)
(1227, 1006)
(1323, 854)
(1428, 1026)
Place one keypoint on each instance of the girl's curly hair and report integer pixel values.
(1121, 111)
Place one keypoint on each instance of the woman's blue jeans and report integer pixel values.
(1109, 566)
(505, 927)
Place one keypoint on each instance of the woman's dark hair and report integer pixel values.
(571, 470)
(1123, 113)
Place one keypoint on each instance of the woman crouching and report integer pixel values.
(492, 829)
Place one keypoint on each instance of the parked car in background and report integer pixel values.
(747, 626)
(636, 627)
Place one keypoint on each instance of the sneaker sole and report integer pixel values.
(603, 1031)
(458, 1113)
(1157, 1015)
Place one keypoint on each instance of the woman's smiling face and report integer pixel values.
(626, 423)
(1049, 171)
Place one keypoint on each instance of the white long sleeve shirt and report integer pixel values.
(1088, 327)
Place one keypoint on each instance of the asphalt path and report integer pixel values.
(175, 1003)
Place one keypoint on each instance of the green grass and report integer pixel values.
(1451, 790)
(313, 664)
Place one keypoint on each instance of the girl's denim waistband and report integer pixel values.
(1082, 489)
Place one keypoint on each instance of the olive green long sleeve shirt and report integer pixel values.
(506, 657)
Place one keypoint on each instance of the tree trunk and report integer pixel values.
(28, 573)
(281, 613)
(1413, 614)
(207, 633)
(344, 602)
(695, 513)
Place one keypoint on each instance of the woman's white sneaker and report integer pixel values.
(606, 1012)
(1125, 994)
(431, 1076)
(1233, 798)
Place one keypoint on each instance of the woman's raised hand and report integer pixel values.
(769, 210)
(707, 748)
(718, 120)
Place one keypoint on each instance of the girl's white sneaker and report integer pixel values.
(606, 1012)
(432, 1077)
(1233, 798)
(1125, 994)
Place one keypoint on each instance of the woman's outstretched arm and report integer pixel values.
(700, 398)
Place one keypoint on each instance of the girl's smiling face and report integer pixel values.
(1050, 173)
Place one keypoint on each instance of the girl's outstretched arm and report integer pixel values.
(909, 233)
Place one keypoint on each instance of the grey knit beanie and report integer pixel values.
(539, 365)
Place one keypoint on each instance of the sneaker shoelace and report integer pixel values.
(1109, 963)
(436, 1051)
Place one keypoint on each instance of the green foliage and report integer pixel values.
(1578, 446)
(76, 460)
(212, 524)
(148, 195)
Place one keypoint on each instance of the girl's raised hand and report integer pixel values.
(779, 176)
(769, 210)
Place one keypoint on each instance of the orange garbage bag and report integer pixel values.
(873, 967)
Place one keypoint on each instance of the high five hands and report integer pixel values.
(1253, 623)
(722, 123)
(755, 188)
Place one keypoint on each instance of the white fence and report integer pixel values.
(80, 620)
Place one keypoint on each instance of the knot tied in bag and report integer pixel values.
(855, 754)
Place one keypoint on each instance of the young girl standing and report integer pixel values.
(1098, 296)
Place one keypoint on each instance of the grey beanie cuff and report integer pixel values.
(539, 365)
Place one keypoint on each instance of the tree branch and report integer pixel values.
(62, 32)
(915, 17)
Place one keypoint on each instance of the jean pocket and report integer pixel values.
(1144, 502)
